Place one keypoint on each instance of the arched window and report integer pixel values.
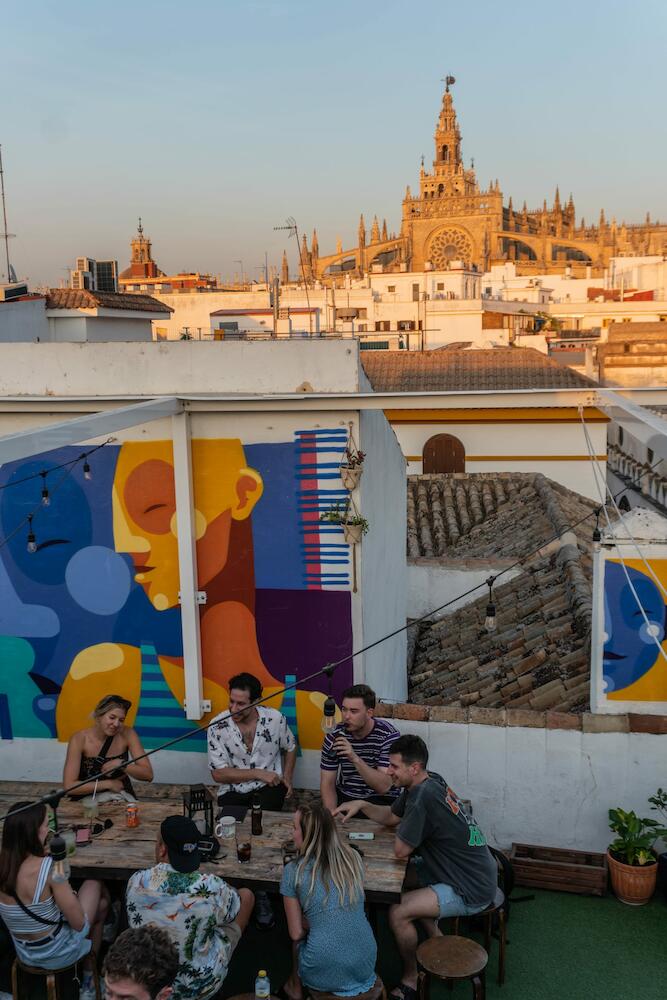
(441, 188)
(444, 453)
(444, 154)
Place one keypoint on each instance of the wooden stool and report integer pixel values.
(451, 958)
(496, 907)
(52, 991)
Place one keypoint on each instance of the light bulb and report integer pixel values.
(32, 541)
(46, 499)
(328, 715)
(60, 869)
(87, 474)
(597, 540)
(490, 620)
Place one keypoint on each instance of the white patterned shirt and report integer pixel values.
(227, 749)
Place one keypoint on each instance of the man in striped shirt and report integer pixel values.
(355, 756)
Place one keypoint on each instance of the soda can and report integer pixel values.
(132, 815)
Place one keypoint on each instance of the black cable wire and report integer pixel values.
(54, 468)
(54, 797)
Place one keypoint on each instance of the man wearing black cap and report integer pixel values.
(203, 915)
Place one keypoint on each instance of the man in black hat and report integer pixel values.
(203, 915)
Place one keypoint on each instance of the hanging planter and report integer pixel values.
(350, 476)
(351, 466)
(353, 524)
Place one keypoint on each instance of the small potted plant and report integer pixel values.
(354, 525)
(352, 467)
(659, 804)
(633, 866)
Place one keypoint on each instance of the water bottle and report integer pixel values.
(262, 986)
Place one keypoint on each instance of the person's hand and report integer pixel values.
(290, 788)
(268, 777)
(348, 809)
(109, 765)
(343, 748)
(114, 785)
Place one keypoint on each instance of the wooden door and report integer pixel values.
(444, 453)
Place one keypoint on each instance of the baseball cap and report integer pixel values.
(181, 838)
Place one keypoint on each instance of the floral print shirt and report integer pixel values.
(227, 749)
(195, 910)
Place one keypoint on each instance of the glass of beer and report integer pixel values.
(243, 849)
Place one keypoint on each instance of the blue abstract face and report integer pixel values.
(630, 648)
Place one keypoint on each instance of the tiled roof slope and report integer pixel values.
(450, 371)
(74, 298)
(539, 655)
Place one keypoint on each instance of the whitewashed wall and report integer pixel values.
(434, 582)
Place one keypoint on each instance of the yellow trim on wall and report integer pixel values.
(504, 415)
(520, 458)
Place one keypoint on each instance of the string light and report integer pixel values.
(46, 499)
(490, 620)
(87, 474)
(328, 714)
(32, 541)
(597, 534)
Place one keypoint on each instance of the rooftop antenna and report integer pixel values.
(5, 235)
(292, 228)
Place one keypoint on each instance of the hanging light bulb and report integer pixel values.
(46, 499)
(328, 715)
(87, 474)
(32, 541)
(490, 620)
(597, 534)
(60, 872)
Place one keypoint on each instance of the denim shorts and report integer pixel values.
(56, 951)
(449, 901)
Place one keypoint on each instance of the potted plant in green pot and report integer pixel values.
(353, 524)
(633, 866)
(351, 467)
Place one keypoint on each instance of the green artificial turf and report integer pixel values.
(561, 947)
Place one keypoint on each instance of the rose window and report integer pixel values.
(449, 244)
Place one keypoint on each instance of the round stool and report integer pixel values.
(51, 984)
(496, 907)
(451, 958)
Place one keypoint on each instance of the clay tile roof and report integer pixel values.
(539, 655)
(449, 371)
(73, 298)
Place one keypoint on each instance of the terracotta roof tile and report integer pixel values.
(74, 298)
(538, 657)
(442, 371)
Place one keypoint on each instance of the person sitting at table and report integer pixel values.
(253, 753)
(141, 964)
(457, 873)
(203, 915)
(98, 749)
(323, 894)
(355, 756)
(51, 925)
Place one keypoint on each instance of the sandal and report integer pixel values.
(403, 992)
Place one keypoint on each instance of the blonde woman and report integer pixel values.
(323, 892)
(100, 748)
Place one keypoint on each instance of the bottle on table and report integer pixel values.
(256, 816)
(262, 986)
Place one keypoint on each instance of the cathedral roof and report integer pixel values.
(496, 369)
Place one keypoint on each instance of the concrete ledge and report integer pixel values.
(655, 724)
(412, 713)
(487, 716)
(448, 713)
(604, 723)
(563, 720)
(524, 717)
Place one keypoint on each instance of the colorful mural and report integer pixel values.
(633, 667)
(95, 609)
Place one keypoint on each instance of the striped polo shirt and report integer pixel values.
(373, 749)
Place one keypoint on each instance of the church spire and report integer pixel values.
(362, 231)
(447, 135)
(284, 271)
(375, 230)
(315, 248)
(384, 229)
(557, 200)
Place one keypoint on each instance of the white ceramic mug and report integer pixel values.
(225, 828)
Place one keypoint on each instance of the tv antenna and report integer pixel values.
(293, 230)
(4, 234)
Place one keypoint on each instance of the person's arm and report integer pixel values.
(143, 770)
(328, 790)
(401, 849)
(71, 771)
(375, 778)
(289, 763)
(295, 922)
(68, 903)
(379, 814)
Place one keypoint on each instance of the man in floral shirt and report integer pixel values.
(203, 915)
(245, 753)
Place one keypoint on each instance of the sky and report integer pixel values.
(215, 121)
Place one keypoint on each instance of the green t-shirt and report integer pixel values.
(452, 846)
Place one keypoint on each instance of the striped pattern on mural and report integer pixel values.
(325, 555)
(159, 715)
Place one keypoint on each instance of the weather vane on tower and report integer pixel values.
(448, 81)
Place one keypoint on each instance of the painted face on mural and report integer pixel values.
(144, 510)
(631, 645)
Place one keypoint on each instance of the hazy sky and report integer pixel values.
(216, 120)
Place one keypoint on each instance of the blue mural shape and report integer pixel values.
(630, 644)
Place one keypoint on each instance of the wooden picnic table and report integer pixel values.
(120, 851)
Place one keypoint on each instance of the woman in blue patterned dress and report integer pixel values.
(323, 892)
